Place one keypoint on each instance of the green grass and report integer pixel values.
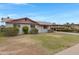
(1, 34)
(55, 42)
(52, 42)
(2, 38)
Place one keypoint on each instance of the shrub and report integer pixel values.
(34, 31)
(50, 30)
(25, 29)
(11, 31)
(77, 30)
(2, 29)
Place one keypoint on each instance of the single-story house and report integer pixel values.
(21, 22)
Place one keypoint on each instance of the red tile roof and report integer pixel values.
(26, 21)
(22, 21)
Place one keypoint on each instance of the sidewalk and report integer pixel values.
(74, 50)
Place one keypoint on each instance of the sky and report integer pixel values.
(59, 13)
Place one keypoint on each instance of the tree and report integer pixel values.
(67, 23)
(72, 23)
(25, 29)
(8, 17)
(2, 19)
(53, 23)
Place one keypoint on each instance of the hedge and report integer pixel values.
(11, 31)
(34, 31)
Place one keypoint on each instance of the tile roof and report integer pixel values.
(21, 20)
(27, 20)
(44, 23)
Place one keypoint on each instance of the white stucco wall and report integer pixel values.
(9, 25)
(41, 29)
(2, 23)
(21, 26)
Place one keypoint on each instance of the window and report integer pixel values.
(45, 27)
(32, 25)
(16, 25)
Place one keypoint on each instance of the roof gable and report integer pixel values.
(27, 21)
(22, 21)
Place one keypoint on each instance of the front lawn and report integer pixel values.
(44, 43)
(2, 38)
(56, 42)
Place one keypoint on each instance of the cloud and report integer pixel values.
(12, 15)
(21, 3)
(4, 6)
(26, 4)
(71, 16)
(9, 15)
(8, 6)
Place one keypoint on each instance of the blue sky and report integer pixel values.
(51, 12)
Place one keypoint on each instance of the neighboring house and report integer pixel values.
(21, 22)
